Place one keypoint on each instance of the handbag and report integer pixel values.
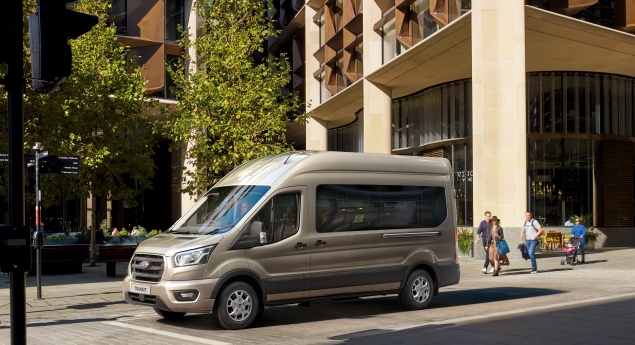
(502, 247)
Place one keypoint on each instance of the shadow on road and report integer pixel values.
(363, 308)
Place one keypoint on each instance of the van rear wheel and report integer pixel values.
(169, 315)
(237, 306)
(417, 293)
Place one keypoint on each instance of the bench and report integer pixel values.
(112, 254)
(64, 258)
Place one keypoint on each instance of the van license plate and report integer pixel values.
(142, 289)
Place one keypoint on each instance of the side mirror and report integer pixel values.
(258, 227)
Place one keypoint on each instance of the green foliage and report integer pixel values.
(153, 233)
(83, 236)
(231, 108)
(465, 239)
(123, 233)
(103, 226)
(57, 237)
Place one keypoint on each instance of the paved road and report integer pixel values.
(587, 304)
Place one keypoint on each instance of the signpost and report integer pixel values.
(63, 164)
(44, 163)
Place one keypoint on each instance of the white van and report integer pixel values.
(301, 227)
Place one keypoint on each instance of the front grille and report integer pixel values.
(147, 299)
(147, 267)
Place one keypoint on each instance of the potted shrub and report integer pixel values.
(466, 241)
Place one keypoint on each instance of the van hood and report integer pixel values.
(169, 244)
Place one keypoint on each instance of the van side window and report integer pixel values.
(373, 207)
(280, 216)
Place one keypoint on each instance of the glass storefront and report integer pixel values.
(560, 178)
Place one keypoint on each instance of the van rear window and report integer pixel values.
(378, 207)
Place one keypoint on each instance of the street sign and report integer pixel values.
(64, 164)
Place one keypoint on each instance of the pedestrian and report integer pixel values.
(580, 231)
(483, 233)
(495, 234)
(114, 232)
(135, 231)
(530, 234)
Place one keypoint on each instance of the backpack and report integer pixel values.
(532, 224)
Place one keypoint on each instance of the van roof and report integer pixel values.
(269, 169)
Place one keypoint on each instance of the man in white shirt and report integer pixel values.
(530, 233)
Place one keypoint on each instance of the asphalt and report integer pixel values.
(596, 299)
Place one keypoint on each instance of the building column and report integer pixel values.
(499, 110)
(377, 98)
(377, 118)
(316, 129)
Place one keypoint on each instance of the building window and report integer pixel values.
(120, 16)
(174, 18)
(420, 21)
(348, 138)
(437, 113)
(591, 103)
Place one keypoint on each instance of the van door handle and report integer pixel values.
(300, 245)
(320, 243)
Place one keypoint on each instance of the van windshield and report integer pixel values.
(219, 210)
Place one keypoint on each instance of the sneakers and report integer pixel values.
(491, 269)
(484, 270)
(495, 274)
(534, 271)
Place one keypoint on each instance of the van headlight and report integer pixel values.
(193, 257)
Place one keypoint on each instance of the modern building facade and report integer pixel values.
(532, 101)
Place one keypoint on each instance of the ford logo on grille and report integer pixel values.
(143, 264)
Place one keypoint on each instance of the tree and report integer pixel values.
(101, 115)
(230, 106)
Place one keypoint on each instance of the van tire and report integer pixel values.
(169, 315)
(237, 307)
(417, 293)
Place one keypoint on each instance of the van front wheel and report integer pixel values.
(417, 293)
(237, 306)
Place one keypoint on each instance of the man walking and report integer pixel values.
(530, 233)
(482, 233)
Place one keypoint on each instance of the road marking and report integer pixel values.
(166, 333)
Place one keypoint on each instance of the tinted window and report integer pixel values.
(280, 217)
(369, 207)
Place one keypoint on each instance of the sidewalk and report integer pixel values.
(68, 292)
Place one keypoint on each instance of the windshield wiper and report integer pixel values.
(216, 230)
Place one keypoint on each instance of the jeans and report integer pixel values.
(531, 248)
(486, 254)
(582, 250)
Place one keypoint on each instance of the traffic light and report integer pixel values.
(51, 28)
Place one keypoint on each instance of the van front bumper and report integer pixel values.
(162, 295)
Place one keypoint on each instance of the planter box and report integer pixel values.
(125, 239)
(63, 241)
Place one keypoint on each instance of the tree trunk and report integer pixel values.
(93, 229)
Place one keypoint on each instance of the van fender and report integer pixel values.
(427, 266)
(244, 275)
